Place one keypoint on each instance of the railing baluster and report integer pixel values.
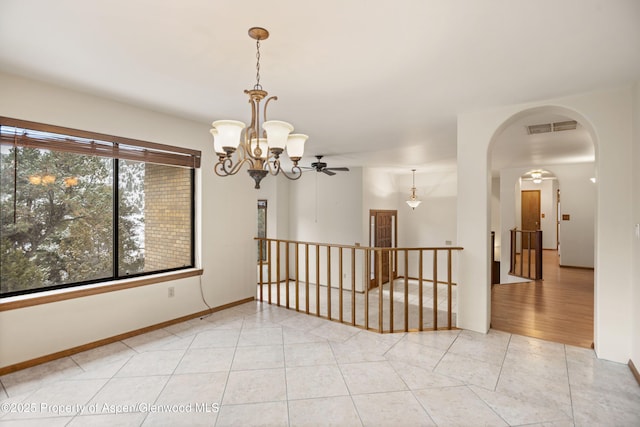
(391, 274)
(297, 277)
(286, 269)
(340, 283)
(328, 282)
(306, 277)
(529, 235)
(353, 286)
(512, 266)
(406, 290)
(317, 280)
(380, 324)
(269, 269)
(367, 275)
(450, 286)
(539, 255)
(521, 254)
(435, 289)
(420, 296)
(278, 272)
(260, 266)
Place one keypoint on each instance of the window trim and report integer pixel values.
(54, 295)
(146, 152)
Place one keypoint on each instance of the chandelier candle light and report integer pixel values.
(413, 202)
(259, 146)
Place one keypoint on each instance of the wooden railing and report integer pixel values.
(335, 282)
(528, 262)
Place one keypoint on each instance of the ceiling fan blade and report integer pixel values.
(339, 169)
(328, 172)
(306, 167)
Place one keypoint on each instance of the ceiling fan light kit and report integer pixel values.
(261, 144)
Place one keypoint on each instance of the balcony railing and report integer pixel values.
(378, 289)
(526, 254)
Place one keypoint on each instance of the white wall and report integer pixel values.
(607, 115)
(327, 209)
(635, 301)
(225, 250)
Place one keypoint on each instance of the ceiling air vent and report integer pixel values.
(552, 127)
(533, 129)
(568, 125)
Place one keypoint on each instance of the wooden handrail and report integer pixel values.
(395, 313)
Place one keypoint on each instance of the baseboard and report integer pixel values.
(576, 267)
(634, 371)
(84, 347)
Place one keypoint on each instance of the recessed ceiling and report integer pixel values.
(372, 82)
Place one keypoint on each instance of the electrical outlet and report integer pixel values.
(172, 292)
(447, 242)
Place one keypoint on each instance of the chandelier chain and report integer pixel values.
(258, 86)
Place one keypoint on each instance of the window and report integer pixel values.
(262, 229)
(80, 207)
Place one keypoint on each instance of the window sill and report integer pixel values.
(46, 297)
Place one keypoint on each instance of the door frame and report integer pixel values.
(393, 265)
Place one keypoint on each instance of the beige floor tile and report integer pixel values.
(128, 391)
(391, 409)
(260, 336)
(201, 360)
(266, 385)
(216, 338)
(308, 382)
(309, 354)
(255, 414)
(457, 406)
(470, 371)
(326, 411)
(371, 377)
(258, 357)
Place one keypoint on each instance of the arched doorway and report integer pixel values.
(525, 148)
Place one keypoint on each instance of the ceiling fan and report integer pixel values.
(321, 166)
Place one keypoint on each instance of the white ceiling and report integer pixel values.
(373, 82)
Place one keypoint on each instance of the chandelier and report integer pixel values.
(261, 144)
(413, 202)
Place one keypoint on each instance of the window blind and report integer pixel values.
(23, 133)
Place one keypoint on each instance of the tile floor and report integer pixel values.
(263, 365)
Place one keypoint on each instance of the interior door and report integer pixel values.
(530, 213)
(385, 227)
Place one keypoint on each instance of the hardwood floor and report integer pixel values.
(559, 308)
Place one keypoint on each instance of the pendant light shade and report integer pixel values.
(413, 201)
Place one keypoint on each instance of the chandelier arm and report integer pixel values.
(226, 167)
(252, 127)
(266, 104)
(296, 173)
(273, 166)
(222, 167)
